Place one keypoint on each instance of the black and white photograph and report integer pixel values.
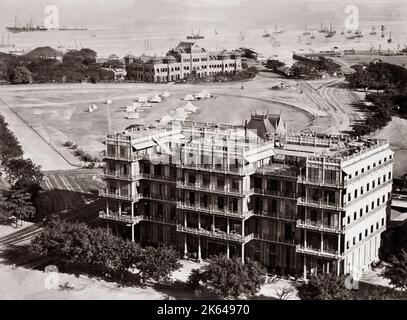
(222, 152)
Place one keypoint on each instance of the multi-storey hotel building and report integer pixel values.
(188, 58)
(306, 204)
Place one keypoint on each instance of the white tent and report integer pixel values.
(143, 99)
(133, 115)
(137, 105)
(94, 107)
(156, 99)
(166, 94)
(191, 108)
(204, 94)
(166, 119)
(180, 115)
(90, 109)
(130, 109)
(189, 97)
(108, 101)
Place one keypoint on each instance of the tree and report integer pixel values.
(24, 175)
(65, 242)
(16, 203)
(324, 287)
(158, 264)
(19, 75)
(274, 64)
(9, 146)
(396, 272)
(230, 277)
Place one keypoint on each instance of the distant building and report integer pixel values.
(45, 53)
(129, 59)
(113, 57)
(119, 73)
(188, 58)
(267, 125)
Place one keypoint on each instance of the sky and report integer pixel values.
(89, 13)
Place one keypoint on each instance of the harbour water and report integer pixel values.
(158, 38)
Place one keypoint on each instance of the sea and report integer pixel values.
(159, 37)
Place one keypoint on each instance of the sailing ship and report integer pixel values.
(8, 44)
(330, 33)
(216, 32)
(195, 36)
(27, 28)
(266, 34)
(382, 29)
(241, 37)
(373, 31)
(276, 30)
(390, 40)
(306, 32)
(312, 35)
(323, 29)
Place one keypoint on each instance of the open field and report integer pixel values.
(59, 112)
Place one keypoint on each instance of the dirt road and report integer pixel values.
(34, 146)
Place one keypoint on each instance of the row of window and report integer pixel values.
(366, 233)
(362, 189)
(372, 206)
(369, 167)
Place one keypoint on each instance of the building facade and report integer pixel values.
(305, 204)
(188, 58)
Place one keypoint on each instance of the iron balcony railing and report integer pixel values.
(326, 253)
(213, 189)
(114, 216)
(123, 157)
(269, 214)
(212, 234)
(106, 193)
(235, 171)
(210, 210)
(332, 184)
(278, 194)
(269, 238)
(317, 226)
(148, 176)
(367, 173)
(120, 176)
(319, 204)
(158, 220)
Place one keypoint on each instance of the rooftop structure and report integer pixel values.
(306, 204)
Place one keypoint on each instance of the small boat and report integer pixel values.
(312, 36)
(195, 36)
(390, 40)
(323, 29)
(382, 29)
(342, 32)
(241, 37)
(216, 32)
(306, 32)
(373, 32)
(330, 33)
(276, 30)
(266, 34)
